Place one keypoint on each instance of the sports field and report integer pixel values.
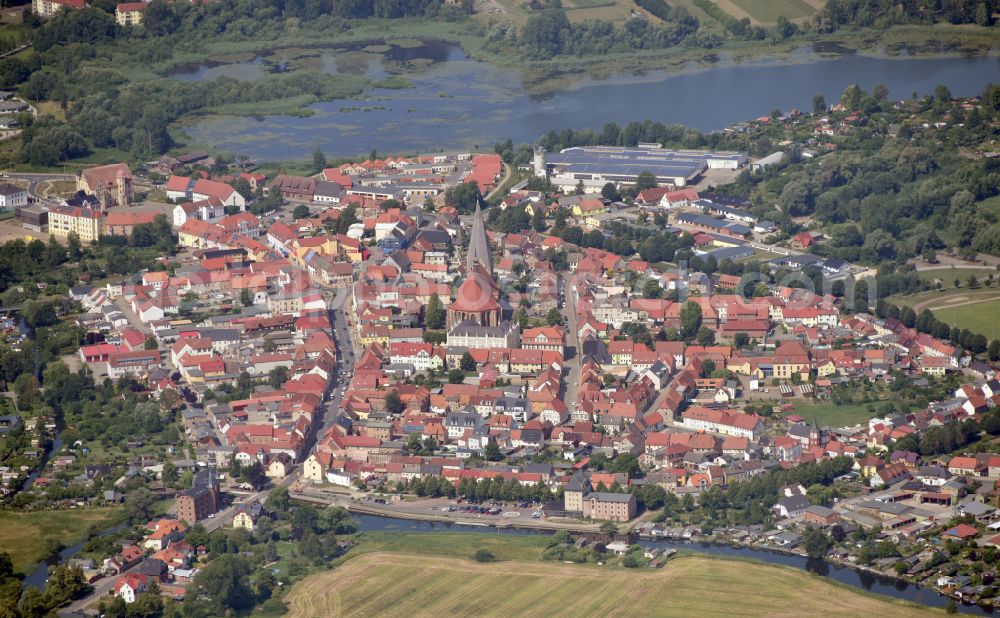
(979, 317)
(975, 309)
(393, 584)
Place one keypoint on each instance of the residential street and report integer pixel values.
(573, 354)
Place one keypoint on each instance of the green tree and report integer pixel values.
(538, 218)
(256, 476)
(484, 555)
(169, 474)
(434, 316)
(159, 18)
(982, 15)
(463, 197)
(301, 212)
(690, 319)
(645, 180)
(394, 403)
(319, 159)
(456, 376)
(816, 543)
(493, 451)
(277, 376)
(139, 505)
(545, 34)
(150, 343)
(626, 463)
(467, 363)
(221, 587)
(278, 500)
(553, 317)
(610, 192)
(819, 104)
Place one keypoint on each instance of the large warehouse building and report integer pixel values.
(599, 165)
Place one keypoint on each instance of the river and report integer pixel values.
(460, 103)
(856, 578)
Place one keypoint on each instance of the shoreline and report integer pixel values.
(541, 80)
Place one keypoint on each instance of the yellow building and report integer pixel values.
(130, 13)
(315, 466)
(83, 222)
(590, 207)
(789, 359)
(320, 245)
(828, 368)
(374, 334)
(198, 234)
(48, 8)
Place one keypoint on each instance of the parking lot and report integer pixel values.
(459, 509)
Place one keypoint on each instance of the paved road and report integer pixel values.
(573, 356)
(506, 174)
(34, 179)
(342, 337)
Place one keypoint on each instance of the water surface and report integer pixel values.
(459, 103)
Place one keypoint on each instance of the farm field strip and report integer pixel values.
(392, 584)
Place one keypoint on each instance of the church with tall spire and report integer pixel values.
(479, 246)
(477, 300)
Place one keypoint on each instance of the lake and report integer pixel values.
(460, 103)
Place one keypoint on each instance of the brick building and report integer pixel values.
(201, 500)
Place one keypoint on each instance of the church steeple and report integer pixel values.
(479, 248)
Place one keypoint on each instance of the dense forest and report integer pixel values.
(550, 33)
(842, 14)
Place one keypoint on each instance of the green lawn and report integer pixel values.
(22, 534)
(980, 317)
(830, 414)
(768, 11)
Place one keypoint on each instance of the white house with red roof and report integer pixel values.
(725, 422)
(131, 585)
(206, 189)
(209, 210)
(422, 356)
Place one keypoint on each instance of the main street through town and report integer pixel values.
(573, 355)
